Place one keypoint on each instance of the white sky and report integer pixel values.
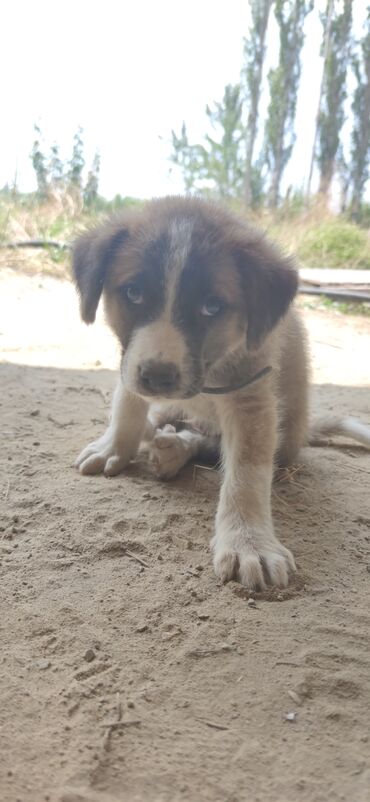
(128, 71)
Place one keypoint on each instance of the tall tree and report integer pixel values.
(218, 164)
(331, 116)
(360, 151)
(56, 167)
(284, 83)
(254, 56)
(324, 52)
(39, 165)
(92, 183)
(77, 162)
(190, 158)
(225, 157)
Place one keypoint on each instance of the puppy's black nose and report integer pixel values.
(158, 378)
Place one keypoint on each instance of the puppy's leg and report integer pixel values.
(293, 389)
(119, 444)
(245, 546)
(171, 450)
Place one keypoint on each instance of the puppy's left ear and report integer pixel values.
(269, 282)
(91, 257)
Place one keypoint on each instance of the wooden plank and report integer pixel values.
(335, 276)
(336, 294)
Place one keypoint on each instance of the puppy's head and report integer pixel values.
(185, 285)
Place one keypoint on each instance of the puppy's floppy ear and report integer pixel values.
(92, 254)
(270, 283)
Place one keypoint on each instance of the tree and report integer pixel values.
(217, 165)
(56, 167)
(331, 116)
(77, 162)
(92, 184)
(225, 158)
(39, 165)
(190, 158)
(283, 83)
(360, 151)
(324, 53)
(254, 56)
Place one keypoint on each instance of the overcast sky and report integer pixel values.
(128, 71)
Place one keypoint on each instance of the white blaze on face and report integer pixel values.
(162, 341)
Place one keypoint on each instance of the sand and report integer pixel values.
(127, 672)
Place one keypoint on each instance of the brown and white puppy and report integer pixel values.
(198, 299)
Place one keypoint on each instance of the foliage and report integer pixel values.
(39, 164)
(218, 164)
(332, 114)
(335, 243)
(91, 189)
(56, 177)
(77, 162)
(254, 56)
(317, 237)
(189, 158)
(283, 83)
(346, 308)
(55, 168)
(360, 152)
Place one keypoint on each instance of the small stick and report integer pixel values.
(59, 424)
(210, 652)
(119, 707)
(36, 243)
(282, 500)
(212, 724)
(288, 474)
(197, 468)
(135, 557)
(113, 725)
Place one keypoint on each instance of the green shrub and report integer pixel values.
(335, 243)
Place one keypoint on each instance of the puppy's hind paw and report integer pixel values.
(168, 452)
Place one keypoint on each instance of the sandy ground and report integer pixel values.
(126, 671)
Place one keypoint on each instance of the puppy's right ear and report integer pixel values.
(92, 254)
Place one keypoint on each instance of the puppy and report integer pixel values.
(201, 305)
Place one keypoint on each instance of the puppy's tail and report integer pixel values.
(347, 427)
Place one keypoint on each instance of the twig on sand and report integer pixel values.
(196, 468)
(114, 725)
(288, 474)
(135, 557)
(276, 495)
(212, 724)
(209, 652)
(59, 424)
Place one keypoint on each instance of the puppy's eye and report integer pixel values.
(211, 308)
(133, 293)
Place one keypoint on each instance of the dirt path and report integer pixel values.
(126, 671)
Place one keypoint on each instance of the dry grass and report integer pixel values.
(318, 237)
(314, 235)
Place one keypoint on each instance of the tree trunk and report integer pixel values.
(359, 177)
(330, 9)
(251, 131)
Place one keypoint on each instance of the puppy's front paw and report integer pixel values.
(103, 456)
(168, 452)
(254, 559)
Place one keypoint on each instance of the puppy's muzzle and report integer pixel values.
(158, 378)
